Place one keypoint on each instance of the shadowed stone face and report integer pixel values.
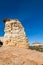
(1, 43)
(6, 20)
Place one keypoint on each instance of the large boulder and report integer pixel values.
(14, 33)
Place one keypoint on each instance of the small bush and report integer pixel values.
(38, 48)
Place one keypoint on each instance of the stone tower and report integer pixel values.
(14, 33)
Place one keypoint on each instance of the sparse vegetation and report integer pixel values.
(38, 48)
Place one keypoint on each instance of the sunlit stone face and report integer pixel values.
(14, 33)
(13, 27)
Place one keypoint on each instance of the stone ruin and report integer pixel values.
(14, 34)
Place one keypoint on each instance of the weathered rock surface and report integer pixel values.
(37, 44)
(14, 34)
(10, 55)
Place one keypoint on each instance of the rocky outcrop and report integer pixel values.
(37, 44)
(14, 34)
(2, 39)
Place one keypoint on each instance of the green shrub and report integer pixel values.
(38, 48)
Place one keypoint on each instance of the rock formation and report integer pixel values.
(37, 44)
(14, 34)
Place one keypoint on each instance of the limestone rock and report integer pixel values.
(15, 34)
(1, 39)
(37, 44)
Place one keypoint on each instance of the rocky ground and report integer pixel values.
(10, 55)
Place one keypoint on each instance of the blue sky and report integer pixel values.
(29, 12)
